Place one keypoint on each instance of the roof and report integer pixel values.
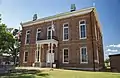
(58, 16)
(114, 55)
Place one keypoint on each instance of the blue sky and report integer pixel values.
(16, 11)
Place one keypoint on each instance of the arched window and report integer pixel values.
(65, 32)
(82, 29)
(49, 32)
(38, 34)
(27, 40)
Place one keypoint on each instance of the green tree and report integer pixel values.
(107, 61)
(17, 34)
(9, 41)
(6, 40)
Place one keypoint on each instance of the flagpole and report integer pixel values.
(93, 3)
(52, 29)
(51, 49)
(51, 46)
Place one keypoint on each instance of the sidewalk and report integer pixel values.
(33, 68)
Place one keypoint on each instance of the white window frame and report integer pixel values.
(36, 56)
(63, 56)
(26, 37)
(80, 29)
(63, 31)
(81, 55)
(49, 30)
(37, 33)
(24, 57)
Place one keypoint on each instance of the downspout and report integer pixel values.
(92, 39)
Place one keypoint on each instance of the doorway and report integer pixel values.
(50, 56)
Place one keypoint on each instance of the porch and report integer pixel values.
(46, 53)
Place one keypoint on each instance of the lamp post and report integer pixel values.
(15, 53)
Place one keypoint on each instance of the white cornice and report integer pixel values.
(47, 42)
(60, 16)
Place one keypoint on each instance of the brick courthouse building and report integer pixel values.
(76, 41)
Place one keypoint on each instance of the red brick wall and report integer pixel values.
(74, 43)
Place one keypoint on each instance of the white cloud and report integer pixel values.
(110, 50)
(113, 45)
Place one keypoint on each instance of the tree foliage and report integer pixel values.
(6, 40)
(107, 60)
(9, 41)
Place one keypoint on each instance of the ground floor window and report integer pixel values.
(65, 55)
(83, 55)
(25, 56)
(97, 56)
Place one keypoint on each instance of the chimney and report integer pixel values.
(73, 7)
(34, 17)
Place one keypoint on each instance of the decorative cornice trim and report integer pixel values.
(58, 16)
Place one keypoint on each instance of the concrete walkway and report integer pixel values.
(33, 68)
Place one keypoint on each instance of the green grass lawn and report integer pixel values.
(60, 73)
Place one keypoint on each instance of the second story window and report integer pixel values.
(82, 29)
(65, 32)
(38, 34)
(49, 32)
(27, 41)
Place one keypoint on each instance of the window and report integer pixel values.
(28, 37)
(65, 32)
(96, 32)
(97, 56)
(82, 29)
(25, 56)
(49, 32)
(37, 56)
(84, 57)
(38, 34)
(98, 35)
(65, 56)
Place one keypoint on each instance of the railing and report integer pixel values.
(48, 38)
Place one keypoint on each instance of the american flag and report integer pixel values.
(53, 27)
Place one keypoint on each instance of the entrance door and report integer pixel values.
(50, 57)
